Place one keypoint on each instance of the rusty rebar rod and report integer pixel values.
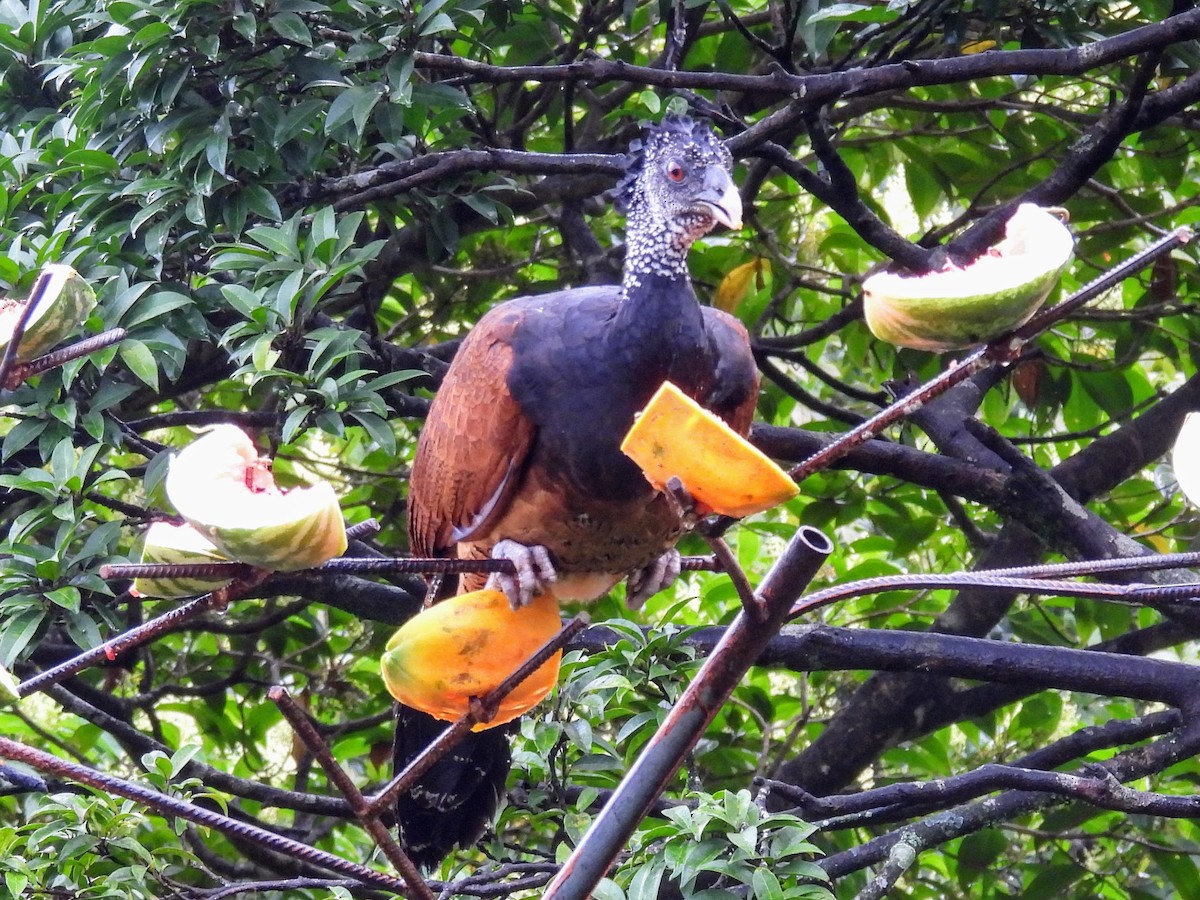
(23, 371)
(664, 754)
(8, 361)
(135, 637)
(166, 805)
(249, 579)
(312, 738)
(353, 565)
(1155, 596)
(1003, 350)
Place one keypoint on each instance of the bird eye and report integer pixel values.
(675, 170)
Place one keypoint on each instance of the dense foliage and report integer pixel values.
(295, 207)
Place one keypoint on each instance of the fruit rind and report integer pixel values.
(65, 302)
(165, 543)
(674, 436)
(219, 484)
(465, 647)
(1185, 457)
(962, 306)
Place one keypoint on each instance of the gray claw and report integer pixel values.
(535, 571)
(659, 575)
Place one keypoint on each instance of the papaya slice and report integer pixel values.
(674, 436)
(464, 647)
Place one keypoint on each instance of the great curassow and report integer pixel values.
(519, 457)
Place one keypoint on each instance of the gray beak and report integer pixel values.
(721, 197)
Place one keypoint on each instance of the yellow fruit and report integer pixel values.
(738, 282)
(675, 436)
(464, 647)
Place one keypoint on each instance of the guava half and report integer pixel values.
(65, 300)
(960, 306)
(221, 486)
(165, 543)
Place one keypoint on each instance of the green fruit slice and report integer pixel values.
(177, 544)
(63, 299)
(958, 307)
(221, 486)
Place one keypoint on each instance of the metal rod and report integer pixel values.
(1150, 595)
(675, 738)
(135, 637)
(8, 362)
(26, 370)
(1003, 349)
(171, 806)
(1180, 237)
(312, 738)
(351, 565)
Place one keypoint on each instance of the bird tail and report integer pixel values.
(453, 803)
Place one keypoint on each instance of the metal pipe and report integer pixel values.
(683, 727)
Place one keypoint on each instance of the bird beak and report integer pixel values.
(722, 199)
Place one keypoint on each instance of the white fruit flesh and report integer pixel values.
(1185, 457)
(220, 485)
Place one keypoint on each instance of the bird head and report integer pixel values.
(680, 176)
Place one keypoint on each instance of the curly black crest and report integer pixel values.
(675, 135)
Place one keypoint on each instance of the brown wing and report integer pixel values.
(474, 444)
(735, 391)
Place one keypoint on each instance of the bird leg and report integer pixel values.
(535, 572)
(648, 581)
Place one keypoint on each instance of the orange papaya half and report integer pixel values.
(675, 436)
(465, 647)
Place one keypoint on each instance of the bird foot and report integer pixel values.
(535, 572)
(646, 582)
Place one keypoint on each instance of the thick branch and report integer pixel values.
(824, 88)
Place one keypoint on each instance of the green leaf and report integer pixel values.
(17, 633)
(155, 305)
(291, 27)
(137, 356)
(380, 431)
(766, 886)
(16, 883)
(66, 597)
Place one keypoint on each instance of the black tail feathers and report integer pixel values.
(455, 801)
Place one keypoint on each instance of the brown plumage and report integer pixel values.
(520, 457)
